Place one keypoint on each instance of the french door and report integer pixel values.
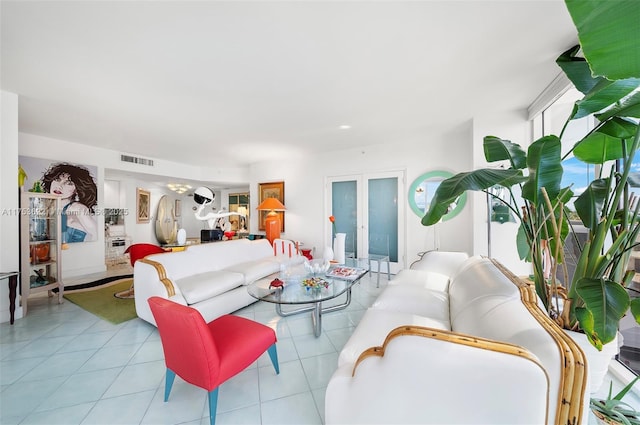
(369, 208)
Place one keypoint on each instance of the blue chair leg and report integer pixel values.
(213, 405)
(168, 383)
(273, 354)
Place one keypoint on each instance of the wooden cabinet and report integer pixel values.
(40, 246)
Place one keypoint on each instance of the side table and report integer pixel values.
(13, 285)
(379, 258)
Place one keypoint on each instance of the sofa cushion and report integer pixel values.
(422, 278)
(479, 285)
(374, 327)
(202, 286)
(413, 299)
(444, 262)
(254, 270)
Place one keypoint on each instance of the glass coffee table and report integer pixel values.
(303, 288)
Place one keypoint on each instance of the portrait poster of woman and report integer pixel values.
(77, 188)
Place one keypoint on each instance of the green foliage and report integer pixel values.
(596, 294)
(616, 409)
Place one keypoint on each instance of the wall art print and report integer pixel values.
(143, 206)
(76, 185)
(270, 190)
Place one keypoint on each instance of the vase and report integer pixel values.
(327, 255)
(597, 361)
(338, 247)
(182, 237)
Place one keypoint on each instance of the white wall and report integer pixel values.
(9, 220)
(306, 218)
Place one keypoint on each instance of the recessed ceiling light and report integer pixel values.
(345, 127)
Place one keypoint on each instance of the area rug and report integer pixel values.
(102, 301)
(95, 283)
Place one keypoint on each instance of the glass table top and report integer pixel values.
(298, 283)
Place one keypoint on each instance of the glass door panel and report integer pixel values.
(368, 209)
(383, 217)
(345, 210)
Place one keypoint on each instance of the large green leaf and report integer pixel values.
(497, 149)
(590, 202)
(629, 107)
(607, 302)
(604, 94)
(621, 128)
(545, 169)
(452, 188)
(577, 70)
(608, 32)
(523, 244)
(635, 309)
(598, 148)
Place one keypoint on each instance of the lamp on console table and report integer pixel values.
(272, 221)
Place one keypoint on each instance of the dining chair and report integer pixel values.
(208, 354)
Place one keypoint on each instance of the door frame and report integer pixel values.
(362, 219)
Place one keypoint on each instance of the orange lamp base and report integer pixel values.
(272, 226)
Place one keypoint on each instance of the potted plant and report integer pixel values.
(594, 300)
(613, 411)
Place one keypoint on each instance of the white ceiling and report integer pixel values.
(202, 80)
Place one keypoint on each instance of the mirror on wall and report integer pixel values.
(424, 187)
(166, 223)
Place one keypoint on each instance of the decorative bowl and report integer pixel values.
(316, 266)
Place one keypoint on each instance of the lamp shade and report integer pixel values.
(271, 204)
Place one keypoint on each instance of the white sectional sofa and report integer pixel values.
(210, 277)
(457, 340)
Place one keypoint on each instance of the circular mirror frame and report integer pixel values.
(434, 175)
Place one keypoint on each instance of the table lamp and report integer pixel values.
(272, 221)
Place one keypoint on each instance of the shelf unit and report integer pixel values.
(40, 246)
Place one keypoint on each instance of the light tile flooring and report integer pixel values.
(63, 365)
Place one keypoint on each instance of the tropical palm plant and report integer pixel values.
(594, 299)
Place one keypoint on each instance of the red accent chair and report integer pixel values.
(136, 252)
(141, 250)
(208, 354)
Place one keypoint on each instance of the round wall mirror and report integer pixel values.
(424, 187)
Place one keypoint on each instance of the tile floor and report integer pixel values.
(63, 365)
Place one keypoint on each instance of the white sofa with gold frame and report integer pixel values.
(457, 340)
(210, 277)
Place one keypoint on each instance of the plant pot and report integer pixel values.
(597, 361)
(603, 420)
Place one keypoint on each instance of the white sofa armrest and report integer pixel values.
(422, 375)
(148, 282)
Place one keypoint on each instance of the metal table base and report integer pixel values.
(316, 312)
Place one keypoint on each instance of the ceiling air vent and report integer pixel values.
(136, 160)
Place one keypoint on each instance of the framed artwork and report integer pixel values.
(79, 199)
(270, 190)
(143, 206)
(178, 208)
